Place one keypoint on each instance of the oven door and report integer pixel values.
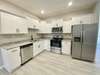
(56, 43)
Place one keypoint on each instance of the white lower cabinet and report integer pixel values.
(11, 58)
(66, 47)
(38, 47)
(47, 45)
(35, 48)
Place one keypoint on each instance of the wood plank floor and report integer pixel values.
(54, 64)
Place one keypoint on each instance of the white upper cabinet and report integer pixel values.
(57, 23)
(32, 23)
(11, 24)
(45, 27)
(67, 27)
(85, 19)
(65, 24)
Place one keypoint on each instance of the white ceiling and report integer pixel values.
(52, 7)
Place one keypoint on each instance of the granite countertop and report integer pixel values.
(8, 46)
(11, 45)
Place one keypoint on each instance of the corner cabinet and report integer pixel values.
(11, 24)
(32, 23)
(45, 28)
(38, 47)
(11, 58)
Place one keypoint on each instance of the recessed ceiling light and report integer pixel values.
(42, 11)
(70, 3)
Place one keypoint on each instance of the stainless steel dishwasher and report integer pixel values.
(26, 52)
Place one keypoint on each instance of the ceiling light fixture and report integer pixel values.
(70, 3)
(42, 11)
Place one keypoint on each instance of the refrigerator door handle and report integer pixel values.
(81, 35)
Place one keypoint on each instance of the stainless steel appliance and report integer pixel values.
(26, 53)
(84, 41)
(57, 29)
(56, 41)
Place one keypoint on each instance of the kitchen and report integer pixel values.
(42, 37)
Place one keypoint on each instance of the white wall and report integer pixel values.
(97, 12)
(0, 59)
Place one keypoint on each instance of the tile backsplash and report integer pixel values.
(7, 38)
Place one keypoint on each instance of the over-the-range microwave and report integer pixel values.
(57, 29)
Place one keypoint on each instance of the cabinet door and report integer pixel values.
(35, 48)
(12, 24)
(89, 19)
(47, 45)
(31, 22)
(67, 27)
(8, 23)
(22, 26)
(45, 28)
(48, 28)
(14, 57)
(85, 19)
(66, 47)
(11, 59)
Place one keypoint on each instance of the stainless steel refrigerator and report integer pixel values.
(84, 41)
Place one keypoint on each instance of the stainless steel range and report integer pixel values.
(56, 41)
